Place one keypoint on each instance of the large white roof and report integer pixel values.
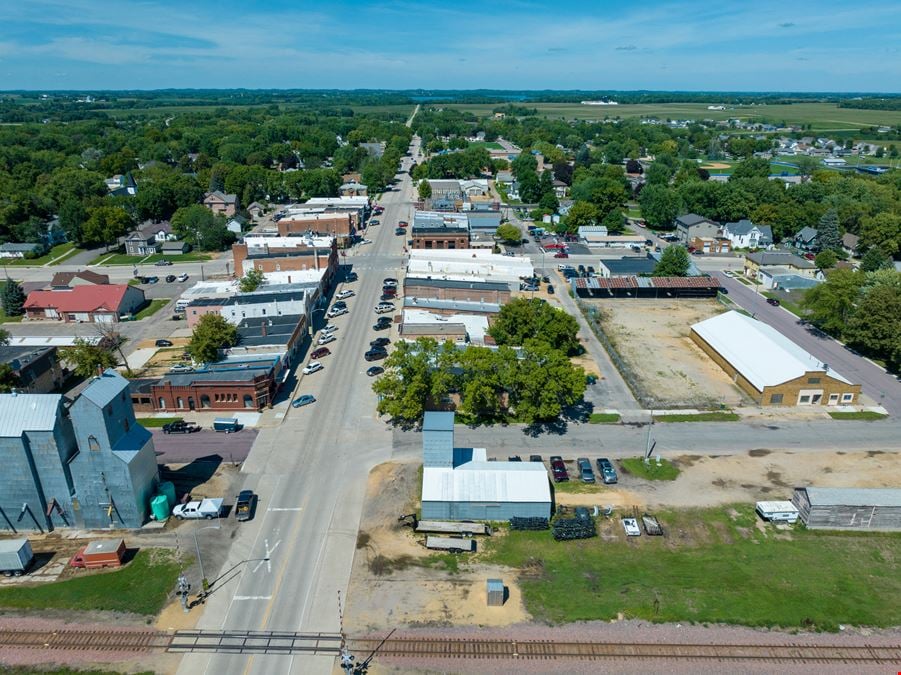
(27, 412)
(763, 355)
(476, 324)
(481, 481)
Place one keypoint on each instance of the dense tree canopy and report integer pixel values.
(524, 319)
(211, 334)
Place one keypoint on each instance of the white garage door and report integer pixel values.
(103, 318)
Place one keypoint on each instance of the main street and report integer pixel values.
(310, 473)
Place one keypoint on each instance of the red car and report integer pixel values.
(810, 256)
(319, 353)
(558, 468)
(561, 254)
(402, 223)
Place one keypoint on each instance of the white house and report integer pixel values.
(745, 234)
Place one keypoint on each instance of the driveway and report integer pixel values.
(880, 386)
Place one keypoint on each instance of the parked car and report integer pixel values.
(376, 354)
(305, 399)
(380, 342)
(162, 263)
(375, 370)
(312, 367)
(605, 468)
(329, 328)
(152, 280)
(325, 338)
(389, 280)
(402, 223)
(535, 458)
(340, 304)
(773, 301)
(381, 325)
(181, 368)
(514, 458)
(387, 296)
(585, 472)
(228, 425)
(561, 254)
(351, 276)
(558, 469)
(245, 505)
(363, 242)
(383, 307)
(183, 277)
(319, 353)
(336, 311)
(163, 343)
(375, 221)
(550, 289)
(399, 231)
(345, 294)
(170, 278)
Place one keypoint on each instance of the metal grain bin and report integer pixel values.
(495, 592)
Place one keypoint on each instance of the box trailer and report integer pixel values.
(15, 557)
(101, 553)
(228, 425)
(780, 512)
(451, 544)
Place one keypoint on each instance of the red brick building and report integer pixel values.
(239, 384)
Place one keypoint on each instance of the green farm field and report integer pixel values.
(822, 116)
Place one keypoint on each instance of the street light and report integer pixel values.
(217, 526)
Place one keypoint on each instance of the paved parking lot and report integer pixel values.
(184, 448)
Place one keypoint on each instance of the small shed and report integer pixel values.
(496, 592)
(176, 247)
(849, 508)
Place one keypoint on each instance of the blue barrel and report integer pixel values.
(168, 488)
(159, 505)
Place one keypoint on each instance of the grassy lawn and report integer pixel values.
(157, 422)
(604, 418)
(792, 306)
(141, 587)
(155, 305)
(114, 258)
(574, 486)
(61, 251)
(635, 466)
(866, 415)
(712, 566)
(700, 417)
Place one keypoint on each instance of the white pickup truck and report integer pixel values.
(205, 508)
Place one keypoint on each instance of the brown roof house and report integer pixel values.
(64, 280)
(221, 203)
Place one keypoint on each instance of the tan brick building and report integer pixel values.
(284, 259)
(435, 230)
(339, 225)
(769, 367)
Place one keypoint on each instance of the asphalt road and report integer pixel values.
(184, 448)
(311, 473)
(708, 438)
(883, 388)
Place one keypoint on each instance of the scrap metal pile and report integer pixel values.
(574, 528)
(518, 523)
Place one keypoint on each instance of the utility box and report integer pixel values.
(496, 593)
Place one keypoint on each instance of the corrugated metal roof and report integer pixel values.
(27, 412)
(105, 388)
(759, 352)
(487, 482)
(853, 496)
(437, 420)
(453, 283)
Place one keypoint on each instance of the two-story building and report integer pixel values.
(435, 230)
(745, 234)
(221, 203)
(691, 226)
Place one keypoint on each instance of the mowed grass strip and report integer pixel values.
(141, 587)
(711, 567)
(155, 305)
(664, 470)
(157, 422)
(604, 418)
(865, 415)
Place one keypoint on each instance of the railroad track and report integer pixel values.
(82, 640)
(548, 650)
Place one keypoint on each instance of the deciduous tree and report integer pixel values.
(211, 334)
(546, 383)
(509, 234)
(251, 281)
(831, 303)
(674, 262)
(87, 358)
(522, 319)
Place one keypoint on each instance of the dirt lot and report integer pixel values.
(396, 583)
(653, 337)
(707, 481)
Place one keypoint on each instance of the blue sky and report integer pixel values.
(805, 45)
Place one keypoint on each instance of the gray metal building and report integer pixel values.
(849, 508)
(460, 484)
(86, 465)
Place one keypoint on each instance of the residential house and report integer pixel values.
(87, 466)
(17, 250)
(221, 203)
(710, 244)
(255, 210)
(67, 280)
(504, 179)
(375, 150)
(121, 186)
(236, 225)
(789, 262)
(692, 225)
(141, 244)
(769, 367)
(353, 189)
(745, 234)
(36, 369)
(102, 303)
(806, 239)
(850, 242)
(561, 189)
